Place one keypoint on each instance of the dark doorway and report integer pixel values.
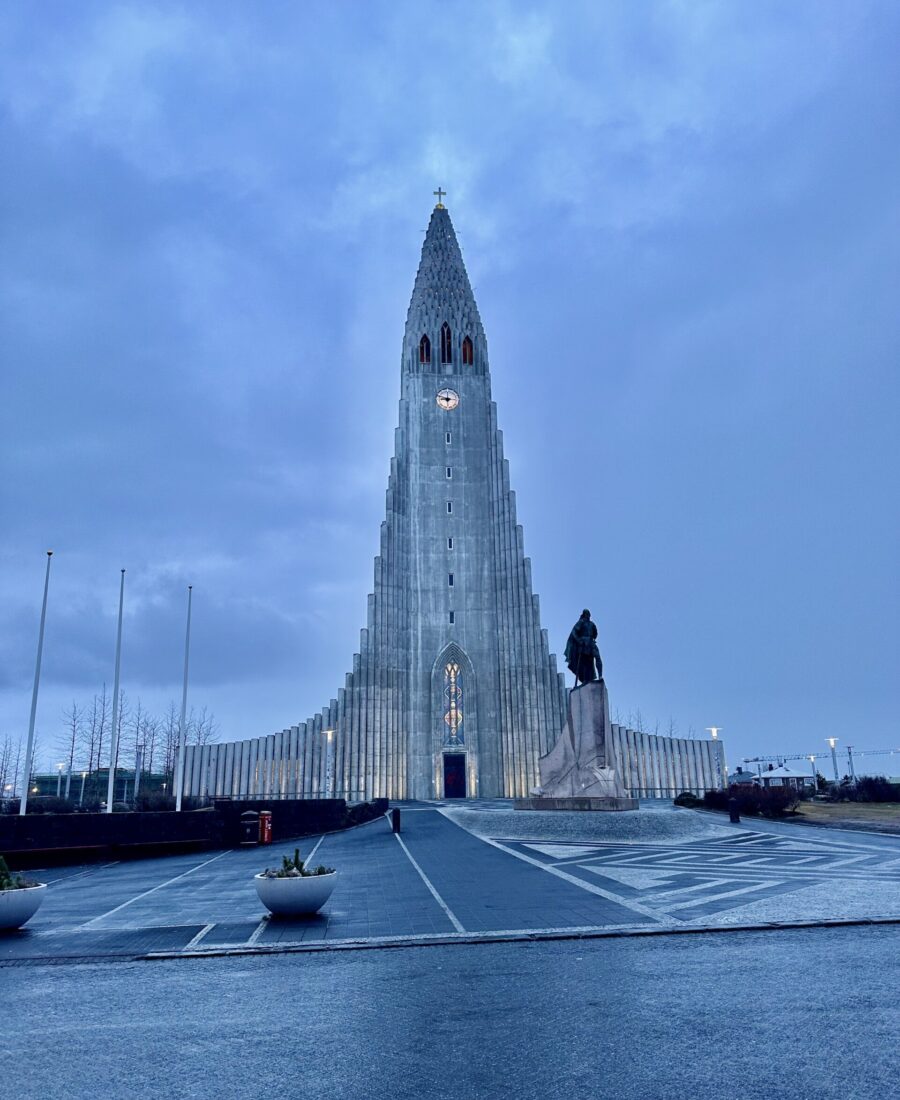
(454, 775)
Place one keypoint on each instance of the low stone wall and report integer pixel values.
(38, 840)
(71, 838)
(299, 816)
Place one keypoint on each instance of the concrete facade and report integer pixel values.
(454, 691)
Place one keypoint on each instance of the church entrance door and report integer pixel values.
(454, 775)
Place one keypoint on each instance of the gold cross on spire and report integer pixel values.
(440, 194)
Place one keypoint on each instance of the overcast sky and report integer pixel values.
(682, 224)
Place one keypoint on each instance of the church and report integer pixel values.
(454, 692)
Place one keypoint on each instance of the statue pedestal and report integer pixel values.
(578, 773)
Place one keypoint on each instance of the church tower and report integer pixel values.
(454, 691)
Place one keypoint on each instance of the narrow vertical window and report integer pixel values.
(468, 352)
(448, 438)
(424, 350)
(446, 344)
(449, 506)
(449, 471)
(452, 617)
(449, 544)
(450, 579)
(453, 703)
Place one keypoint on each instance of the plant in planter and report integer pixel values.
(19, 898)
(294, 889)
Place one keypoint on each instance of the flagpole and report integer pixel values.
(114, 747)
(179, 771)
(34, 695)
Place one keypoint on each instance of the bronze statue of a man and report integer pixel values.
(581, 651)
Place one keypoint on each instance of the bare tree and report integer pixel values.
(9, 751)
(28, 766)
(125, 739)
(169, 733)
(150, 735)
(202, 727)
(673, 727)
(96, 726)
(15, 768)
(72, 735)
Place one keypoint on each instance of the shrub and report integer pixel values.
(687, 798)
(754, 801)
(9, 881)
(876, 788)
(154, 802)
(718, 800)
(778, 801)
(296, 868)
(50, 804)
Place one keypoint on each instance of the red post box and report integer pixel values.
(265, 826)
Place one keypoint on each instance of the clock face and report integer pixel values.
(447, 399)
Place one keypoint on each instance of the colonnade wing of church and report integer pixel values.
(454, 690)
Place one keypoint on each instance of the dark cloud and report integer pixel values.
(682, 228)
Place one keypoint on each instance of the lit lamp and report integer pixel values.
(832, 741)
(713, 731)
(329, 763)
(812, 759)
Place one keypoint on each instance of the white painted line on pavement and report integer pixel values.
(437, 897)
(152, 890)
(203, 931)
(79, 874)
(258, 931)
(727, 894)
(588, 886)
(315, 848)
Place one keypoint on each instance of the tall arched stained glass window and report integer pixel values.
(446, 344)
(425, 350)
(453, 704)
(468, 352)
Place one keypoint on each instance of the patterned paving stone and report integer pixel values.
(438, 878)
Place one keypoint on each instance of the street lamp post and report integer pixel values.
(138, 767)
(29, 746)
(812, 760)
(329, 763)
(850, 762)
(114, 739)
(179, 763)
(832, 741)
(714, 734)
(81, 799)
(59, 771)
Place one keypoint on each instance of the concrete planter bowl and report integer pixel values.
(295, 897)
(18, 906)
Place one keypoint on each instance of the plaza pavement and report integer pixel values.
(478, 871)
(806, 1014)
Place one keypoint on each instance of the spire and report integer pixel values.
(442, 293)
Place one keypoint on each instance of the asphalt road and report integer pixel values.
(795, 1014)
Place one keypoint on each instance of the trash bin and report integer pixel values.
(395, 820)
(265, 826)
(249, 828)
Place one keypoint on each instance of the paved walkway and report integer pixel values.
(522, 873)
